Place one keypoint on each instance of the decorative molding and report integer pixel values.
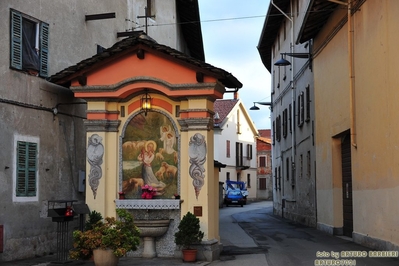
(195, 124)
(148, 204)
(141, 79)
(197, 154)
(95, 152)
(103, 125)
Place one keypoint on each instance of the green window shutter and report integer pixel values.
(44, 45)
(16, 40)
(26, 169)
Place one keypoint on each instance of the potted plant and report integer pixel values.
(94, 217)
(189, 233)
(114, 237)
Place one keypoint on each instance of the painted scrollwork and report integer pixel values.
(95, 152)
(197, 153)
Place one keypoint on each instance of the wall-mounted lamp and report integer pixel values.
(146, 102)
(56, 110)
(284, 62)
(261, 103)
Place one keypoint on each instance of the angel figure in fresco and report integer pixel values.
(146, 157)
(168, 138)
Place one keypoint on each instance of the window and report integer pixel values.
(29, 44)
(227, 176)
(26, 169)
(228, 148)
(238, 122)
(278, 128)
(285, 123)
(301, 114)
(262, 183)
(248, 180)
(290, 116)
(150, 8)
(300, 166)
(309, 165)
(239, 154)
(249, 151)
(279, 178)
(275, 178)
(262, 161)
(308, 100)
(287, 166)
(274, 131)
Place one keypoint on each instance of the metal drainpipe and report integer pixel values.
(352, 100)
(351, 77)
(293, 148)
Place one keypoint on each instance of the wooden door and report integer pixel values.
(347, 185)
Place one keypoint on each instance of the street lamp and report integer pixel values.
(284, 62)
(261, 103)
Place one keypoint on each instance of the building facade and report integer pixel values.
(293, 149)
(354, 99)
(355, 92)
(235, 143)
(264, 163)
(43, 151)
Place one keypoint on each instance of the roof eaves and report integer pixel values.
(271, 26)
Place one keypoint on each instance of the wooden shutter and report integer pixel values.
(249, 151)
(262, 183)
(26, 169)
(1, 238)
(262, 161)
(44, 46)
(16, 40)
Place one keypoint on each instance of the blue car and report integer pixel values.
(234, 197)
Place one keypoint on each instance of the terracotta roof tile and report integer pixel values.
(223, 108)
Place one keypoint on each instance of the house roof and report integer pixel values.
(129, 44)
(222, 108)
(271, 26)
(190, 24)
(265, 140)
(265, 135)
(316, 16)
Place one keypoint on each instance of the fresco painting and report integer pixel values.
(150, 156)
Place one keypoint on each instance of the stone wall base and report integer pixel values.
(338, 231)
(374, 243)
(207, 251)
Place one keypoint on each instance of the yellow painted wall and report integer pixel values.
(375, 171)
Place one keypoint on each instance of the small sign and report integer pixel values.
(198, 211)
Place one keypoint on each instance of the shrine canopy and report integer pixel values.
(138, 62)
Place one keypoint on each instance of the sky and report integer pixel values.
(231, 31)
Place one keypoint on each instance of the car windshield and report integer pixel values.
(235, 192)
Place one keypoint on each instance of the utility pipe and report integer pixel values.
(352, 97)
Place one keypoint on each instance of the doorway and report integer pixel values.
(347, 185)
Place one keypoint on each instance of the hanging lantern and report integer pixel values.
(146, 102)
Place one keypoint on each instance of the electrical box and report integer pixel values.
(82, 181)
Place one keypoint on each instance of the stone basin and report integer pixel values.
(152, 228)
(149, 230)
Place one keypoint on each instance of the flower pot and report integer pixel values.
(189, 255)
(105, 257)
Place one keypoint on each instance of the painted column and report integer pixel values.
(102, 158)
(198, 185)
